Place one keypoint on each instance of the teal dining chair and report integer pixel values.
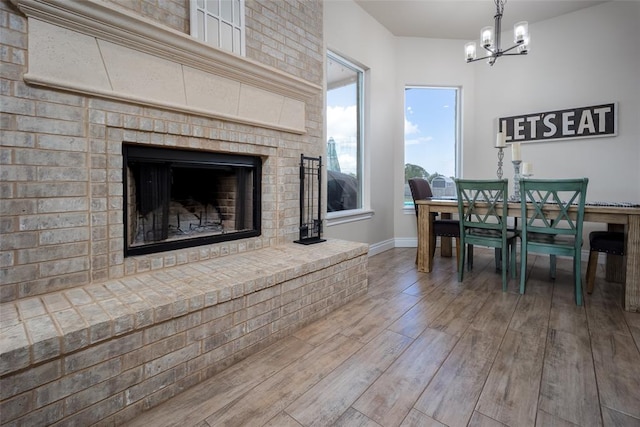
(552, 220)
(482, 211)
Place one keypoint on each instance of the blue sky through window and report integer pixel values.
(342, 126)
(430, 129)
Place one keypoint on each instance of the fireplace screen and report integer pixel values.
(179, 198)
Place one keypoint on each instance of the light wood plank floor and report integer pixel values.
(421, 349)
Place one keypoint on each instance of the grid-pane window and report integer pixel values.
(219, 23)
(431, 138)
(345, 83)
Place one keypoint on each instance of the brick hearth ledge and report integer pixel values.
(107, 351)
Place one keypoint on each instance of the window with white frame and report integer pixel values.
(219, 23)
(345, 89)
(431, 132)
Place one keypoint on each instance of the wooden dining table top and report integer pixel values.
(605, 212)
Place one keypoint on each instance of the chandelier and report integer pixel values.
(490, 39)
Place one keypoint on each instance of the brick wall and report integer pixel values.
(61, 164)
(287, 35)
(172, 13)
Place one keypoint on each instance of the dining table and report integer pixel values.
(618, 217)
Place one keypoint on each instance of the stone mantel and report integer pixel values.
(93, 48)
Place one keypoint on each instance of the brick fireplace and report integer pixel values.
(100, 76)
(94, 329)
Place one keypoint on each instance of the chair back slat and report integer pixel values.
(554, 207)
(482, 204)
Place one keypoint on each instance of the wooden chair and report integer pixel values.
(482, 207)
(554, 231)
(420, 189)
(609, 242)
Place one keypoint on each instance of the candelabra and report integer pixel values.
(516, 180)
(500, 157)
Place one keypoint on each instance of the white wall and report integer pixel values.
(588, 57)
(352, 33)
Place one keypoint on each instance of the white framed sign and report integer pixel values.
(572, 123)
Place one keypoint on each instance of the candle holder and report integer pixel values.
(516, 180)
(500, 157)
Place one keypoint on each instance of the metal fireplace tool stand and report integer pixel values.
(310, 200)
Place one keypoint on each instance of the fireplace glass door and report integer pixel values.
(180, 198)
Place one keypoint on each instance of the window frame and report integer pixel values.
(363, 210)
(202, 34)
(408, 207)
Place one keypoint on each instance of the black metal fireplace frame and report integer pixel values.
(167, 155)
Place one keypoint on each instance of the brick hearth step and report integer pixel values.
(107, 351)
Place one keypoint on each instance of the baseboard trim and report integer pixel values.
(385, 245)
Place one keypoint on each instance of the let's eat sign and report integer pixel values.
(582, 122)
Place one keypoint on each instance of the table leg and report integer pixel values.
(425, 262)
(614, 266)
(632, 254)
(445, 242)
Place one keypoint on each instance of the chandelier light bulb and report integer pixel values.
(520, 32)
(486, 36)
(470, 51)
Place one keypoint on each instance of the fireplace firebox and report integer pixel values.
(180, 198)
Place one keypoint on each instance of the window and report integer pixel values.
(219, 23)
(345, 82)
(431, 138)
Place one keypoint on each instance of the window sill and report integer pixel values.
(337, 218)
(409, 210)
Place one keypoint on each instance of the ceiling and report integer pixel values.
(461, 19)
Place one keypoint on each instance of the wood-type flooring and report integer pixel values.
(422, 349)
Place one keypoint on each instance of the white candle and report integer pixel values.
(515, 151)
(527, 168)
(501, 140)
